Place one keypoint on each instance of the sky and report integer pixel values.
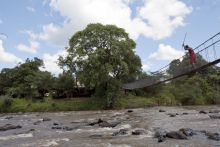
(41, 28)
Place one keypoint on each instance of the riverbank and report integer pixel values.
(74, 104)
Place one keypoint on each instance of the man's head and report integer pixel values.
(186, 47)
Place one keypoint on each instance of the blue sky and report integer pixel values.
(31, 28)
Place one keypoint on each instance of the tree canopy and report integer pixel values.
(102, 57)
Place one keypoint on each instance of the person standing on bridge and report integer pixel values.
(192, 55)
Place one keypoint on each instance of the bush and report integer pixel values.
(5, 103)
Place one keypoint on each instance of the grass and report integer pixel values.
(132, 101)
(75, 104)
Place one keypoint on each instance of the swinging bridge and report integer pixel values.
(207, 50)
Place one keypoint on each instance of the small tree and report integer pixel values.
(102, 57)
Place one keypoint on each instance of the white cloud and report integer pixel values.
(146, 66)
(156, 19)
(166, 52)
(31, 9)
(32, 48)
(50, 62)
(30, 33)
(163, 17)
(3, 36)
(6, 56)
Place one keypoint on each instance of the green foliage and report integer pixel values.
(64, 86)
(26, 80)
(5, 103)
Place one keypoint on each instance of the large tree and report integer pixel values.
(102, 57)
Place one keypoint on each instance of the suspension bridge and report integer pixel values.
(207, 50)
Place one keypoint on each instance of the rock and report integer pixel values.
(9, 127)
(161, 110)
(25, 132)
(105, 124)
(203, 131)
(202, 112)
(9, 117)
(129, 111)
(216, 116)
(96, 136)
(102, 123)
(109, 125)
(161, 139)
(213, 136)
(114, 124)
(187, 131)
(172, 114)
(46, 119)
(31, 130)
(185, 113)
(58, 128)
(67, 128)
(120, 132)
(37, 122)
(176, 135)
(55, 124)
(160, 135)
(96, 122)
(214, 111)
(138, 132)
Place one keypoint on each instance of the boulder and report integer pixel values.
(9, 127)
(172, 114)
(55, 124)
(96, 122)
(56, 128)
(120, 132)
(138, 132)
(176, 135)
(202, 112)
(214, 111)
(185, 113)
(9, 117)
(67, 128)
(107, 124)
(187, 131)
(103, 123)
(216, 116)
(161, 110)
(46, 119)
(129, 111)
(37, 122)
(213, 136)
(160, 135)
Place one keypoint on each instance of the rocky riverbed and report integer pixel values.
(194, 126)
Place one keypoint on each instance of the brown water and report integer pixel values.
(81, 136)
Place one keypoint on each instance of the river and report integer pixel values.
(75, 128)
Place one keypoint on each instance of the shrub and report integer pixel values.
(5, 103)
